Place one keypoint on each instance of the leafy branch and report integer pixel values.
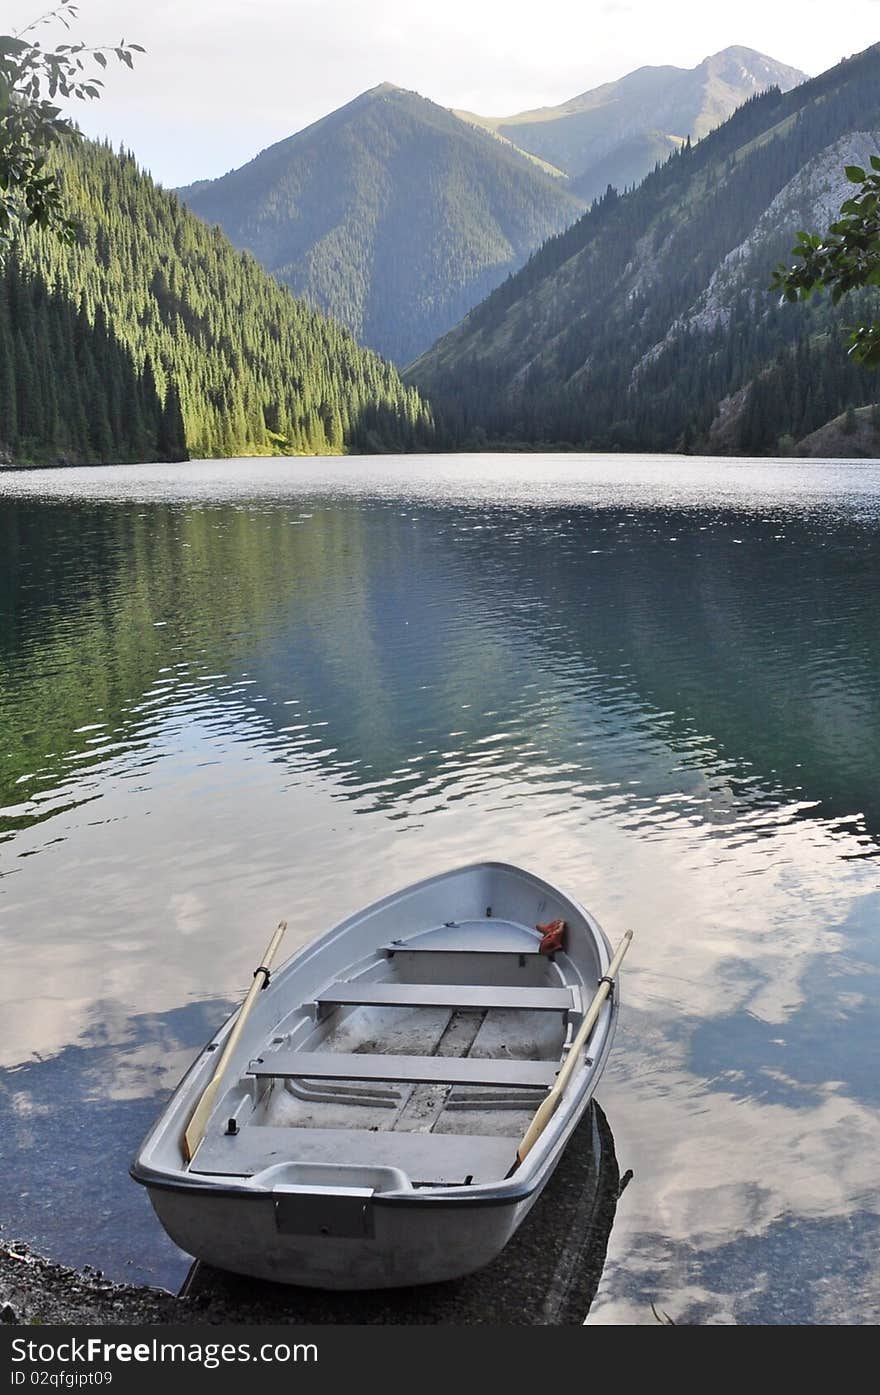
(847, 258)
(31, 78)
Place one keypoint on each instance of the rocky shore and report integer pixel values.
(36, 1290)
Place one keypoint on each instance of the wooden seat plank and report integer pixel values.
(423, 1070)
(445, 995)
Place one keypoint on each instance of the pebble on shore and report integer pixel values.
(37, 1290)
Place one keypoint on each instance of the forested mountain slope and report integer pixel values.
(649, 324)
(391, 214)
(614, 134)
(154, 338)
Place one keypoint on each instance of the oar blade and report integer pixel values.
(195, 1129)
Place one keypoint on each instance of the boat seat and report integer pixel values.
(409, 947)
(421, 1070)
(443, 995)
(490, 936)
(425, 1157)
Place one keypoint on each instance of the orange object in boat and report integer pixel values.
(554, 936)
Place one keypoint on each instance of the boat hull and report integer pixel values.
(409, 1245)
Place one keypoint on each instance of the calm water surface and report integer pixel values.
(232, 692)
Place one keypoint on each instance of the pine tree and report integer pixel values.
(8, 405)
(172, 437)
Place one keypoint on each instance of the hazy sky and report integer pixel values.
(222, 79)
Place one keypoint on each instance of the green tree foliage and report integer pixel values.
(806, 385)
(847, 258)
(69, 390)
(150, 337)
(31, 76)
(611, 337)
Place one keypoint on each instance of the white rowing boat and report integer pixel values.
(388, 1106)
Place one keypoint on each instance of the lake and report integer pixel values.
(237, 691)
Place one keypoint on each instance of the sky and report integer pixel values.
(222, 79)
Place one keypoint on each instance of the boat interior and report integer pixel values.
(421, 1065)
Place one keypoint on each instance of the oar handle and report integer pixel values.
(547, 1108)
(195, 1129)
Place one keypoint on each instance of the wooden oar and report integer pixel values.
(195, 1130)
(548, 1106)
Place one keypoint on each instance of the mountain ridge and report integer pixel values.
(656, 106)
(390, 214)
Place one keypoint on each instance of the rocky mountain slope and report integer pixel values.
(649, 324)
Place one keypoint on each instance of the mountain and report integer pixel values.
(153, 338)
(615, 134)
(648, 325)
(391, 214)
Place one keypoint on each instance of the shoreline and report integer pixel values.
(34, 1289)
